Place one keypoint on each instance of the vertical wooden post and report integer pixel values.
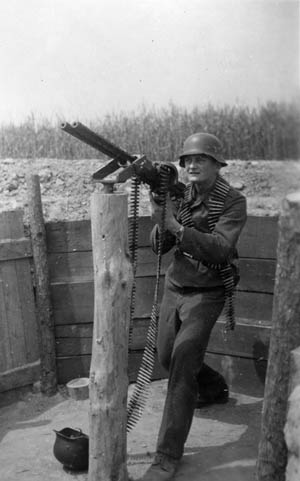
(294, 370)
(285, 336)
(292, 426)
(44, 310)
(108, 372)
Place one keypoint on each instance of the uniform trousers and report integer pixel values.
(187, 316)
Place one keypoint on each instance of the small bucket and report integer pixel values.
(71, 448)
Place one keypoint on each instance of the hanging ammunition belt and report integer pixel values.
(139, 397)
(216, 205)
(132, 245)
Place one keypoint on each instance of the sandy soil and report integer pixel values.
(66, 185)
(222, 444)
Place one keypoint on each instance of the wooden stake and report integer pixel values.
(44, 310)
(108, 372)
(285, 336)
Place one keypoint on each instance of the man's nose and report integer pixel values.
(193, 163)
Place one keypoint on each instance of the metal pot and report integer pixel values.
(71, 448)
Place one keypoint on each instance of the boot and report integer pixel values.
(163, 468)
(205, 399)
(213, 388)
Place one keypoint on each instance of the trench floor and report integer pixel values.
(222, 444)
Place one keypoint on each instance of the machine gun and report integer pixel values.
(125, 165)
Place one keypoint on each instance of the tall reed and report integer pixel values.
(269, 131)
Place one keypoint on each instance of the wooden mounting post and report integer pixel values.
(44, 309)
(285, 336)
(108, 372)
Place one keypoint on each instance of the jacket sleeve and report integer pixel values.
(168, 243)
(219, 246)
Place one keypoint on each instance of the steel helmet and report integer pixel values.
(202, 143)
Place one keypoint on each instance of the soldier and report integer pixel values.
(202, 276)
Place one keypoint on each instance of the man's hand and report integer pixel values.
(171, 223)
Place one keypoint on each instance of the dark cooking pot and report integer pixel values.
(71, 448)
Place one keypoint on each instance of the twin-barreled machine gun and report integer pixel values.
(125, 165)
(162, 179)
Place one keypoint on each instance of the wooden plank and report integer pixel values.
(71, 236)
(73, 346)
(244, 376)
(28, 312)
(73, 331)
(254, 305)
(20, 376)
(74, 302)
(15, 249)
(70, 266)
(5, 346)
(11, 224)
(8, 273)
(76, 314)
(259, 238)
(248, 341)
(68, 294)
(11, 272)
(69, 368)
(294, 370)
(250, 244)
(257, 275)
(76, 236)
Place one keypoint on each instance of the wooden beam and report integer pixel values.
(20, 376)
(244, 376)
(108, 372)
(285, 336)
(44, 309)
(72, 236)
(294, 370)
(73, 302)
(15, 249)
(247, 340)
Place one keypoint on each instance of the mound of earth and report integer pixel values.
(66, 185)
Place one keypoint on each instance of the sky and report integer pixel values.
(81, 59)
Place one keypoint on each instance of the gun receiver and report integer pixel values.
(123, 164)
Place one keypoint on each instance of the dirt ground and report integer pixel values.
(222, 444)
(66, 185)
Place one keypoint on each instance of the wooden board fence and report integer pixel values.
(242, 357)
(19, 350)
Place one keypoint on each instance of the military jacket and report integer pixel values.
(199, 246)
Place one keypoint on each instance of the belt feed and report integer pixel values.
(140, 394)
(216, 205)
(132, 245)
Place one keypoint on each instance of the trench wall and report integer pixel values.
(241, 356)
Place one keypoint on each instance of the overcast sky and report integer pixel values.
(84, 58)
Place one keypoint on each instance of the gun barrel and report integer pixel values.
(83, 133)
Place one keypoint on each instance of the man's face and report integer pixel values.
(200, 168)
